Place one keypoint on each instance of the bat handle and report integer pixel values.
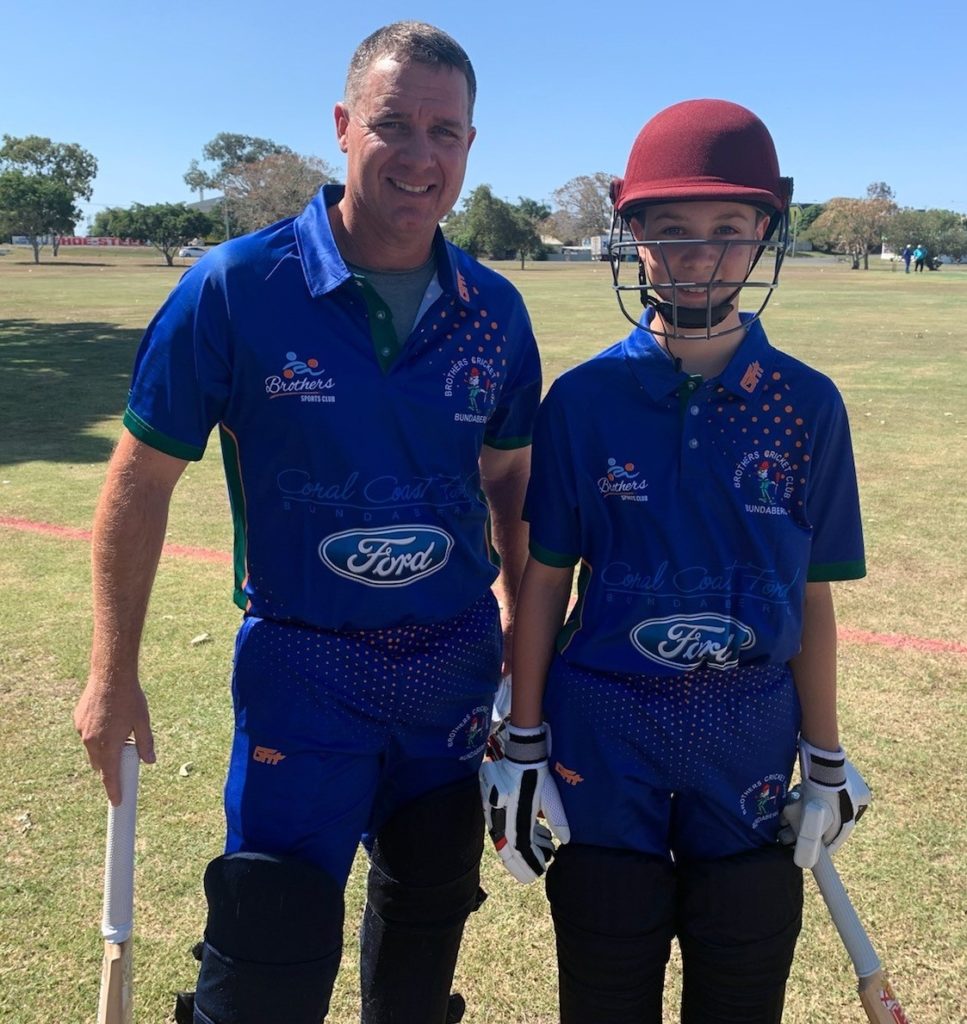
(848, 924)
(118, 918)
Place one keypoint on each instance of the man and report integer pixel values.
(336, 353)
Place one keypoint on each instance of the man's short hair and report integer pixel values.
(409, 41)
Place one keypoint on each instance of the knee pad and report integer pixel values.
(423, 881)
(425, 862)
(614, 913)
(273, 941)
(738, 922)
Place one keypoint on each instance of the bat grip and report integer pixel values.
(848, 924)
(118, 918)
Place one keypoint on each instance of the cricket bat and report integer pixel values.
(876, 994)
(114, 1004)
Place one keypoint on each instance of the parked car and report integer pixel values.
(192, 251)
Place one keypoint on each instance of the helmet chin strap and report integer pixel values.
(683, 316)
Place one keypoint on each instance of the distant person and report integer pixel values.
(906, 256)
(919, 257)
(373, 389)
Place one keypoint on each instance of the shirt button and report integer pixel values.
(693, 442)
(385, 351)
(380, 314)
(694, 410)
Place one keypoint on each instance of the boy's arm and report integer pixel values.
(541, 607)
(833, 793)
(814, 668)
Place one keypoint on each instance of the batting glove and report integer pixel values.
(516, 788)
(824, 808)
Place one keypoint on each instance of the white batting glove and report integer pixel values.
(824, 808)
(515, 789)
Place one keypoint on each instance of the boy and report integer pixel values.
(705, 482)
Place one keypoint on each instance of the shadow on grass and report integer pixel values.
(56, 382)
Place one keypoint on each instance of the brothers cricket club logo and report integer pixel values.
(766, 478)
(471, 732)
(474, 377)
(303, 378)
(763, 800)
(687, 642)
(622, 480)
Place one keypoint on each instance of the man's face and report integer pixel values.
(683, 245)
(406, 141)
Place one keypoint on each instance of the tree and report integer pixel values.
(228, 151)
(166, 226)
(585, 203)
(277, 186)
(37, 206)
(856, 226)
(67, 164)
(493, 228)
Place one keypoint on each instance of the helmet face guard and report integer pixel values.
(699, 150)
(663, 292)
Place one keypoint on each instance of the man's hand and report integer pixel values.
(104, 718)
(824, 808)
(515, 790)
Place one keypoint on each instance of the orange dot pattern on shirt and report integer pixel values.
(766, 421)
(473, 336)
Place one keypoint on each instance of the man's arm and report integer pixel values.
(814, 668)
(129, 530)
(503, 477)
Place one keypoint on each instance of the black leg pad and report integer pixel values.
(424, 880)
(273, 941)
(739, 919)
(613, 916)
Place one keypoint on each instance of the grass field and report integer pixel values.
(896, 345)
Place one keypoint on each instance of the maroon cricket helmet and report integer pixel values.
(703, 149)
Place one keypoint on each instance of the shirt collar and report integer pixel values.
(323, 265)
(656, 373)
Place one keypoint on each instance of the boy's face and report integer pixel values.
(699, 247)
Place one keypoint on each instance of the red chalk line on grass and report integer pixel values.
(846, 633)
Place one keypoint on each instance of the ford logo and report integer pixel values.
(391, 556)
(688, 641)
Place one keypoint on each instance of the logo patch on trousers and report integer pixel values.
(267, 755)
(570, 777)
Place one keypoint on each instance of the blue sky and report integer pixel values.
(854, 91)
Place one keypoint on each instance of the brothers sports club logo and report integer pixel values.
(391, 556)
(622, 480)
(767, 477)
(302, 378)
(688, 642)
(476, 378)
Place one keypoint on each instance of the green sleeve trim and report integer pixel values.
(155, 439)
(552, 558)
(506, 443)
(834, 571)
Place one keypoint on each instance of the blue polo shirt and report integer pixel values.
(353, 479)
(698, 509)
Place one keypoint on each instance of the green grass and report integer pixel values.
(68, 332)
